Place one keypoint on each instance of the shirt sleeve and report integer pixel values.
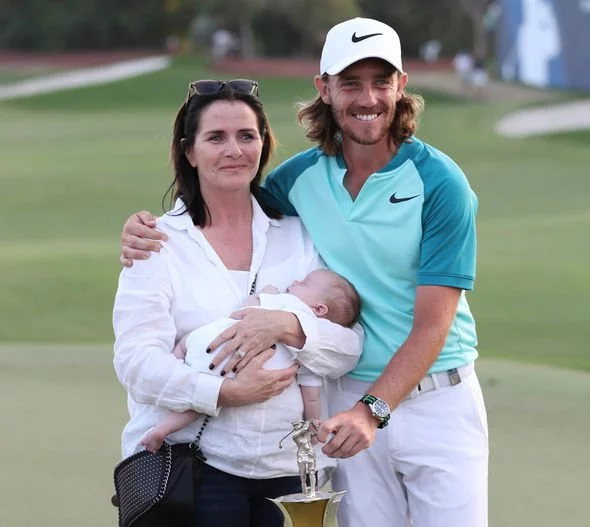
(330, 350)
(278, 183)
(145, 334)
(448, 251)
(275, 192)
(306, 377)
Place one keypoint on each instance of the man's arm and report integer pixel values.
(435, 310)
(139, 238)
(354, 430)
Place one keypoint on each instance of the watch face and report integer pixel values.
(380, 408)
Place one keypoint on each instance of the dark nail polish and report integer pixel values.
(222, 373)
(274, 346)
(208, 350)
(234, 369)
(211, 366)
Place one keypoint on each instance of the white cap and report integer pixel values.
(358, 39)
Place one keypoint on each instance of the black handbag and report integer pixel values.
(157, 489)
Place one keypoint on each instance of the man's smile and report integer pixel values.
(366, 116)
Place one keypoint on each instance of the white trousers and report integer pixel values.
(427, 468)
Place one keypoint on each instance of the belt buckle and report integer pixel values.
(454, 377)
(414, 393)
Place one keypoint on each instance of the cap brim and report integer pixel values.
(343, 64)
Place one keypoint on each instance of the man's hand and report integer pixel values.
(353, 431)
(315, 427)
(139, 237)
(256, 331)
(254, 384)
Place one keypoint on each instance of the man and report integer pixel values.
(396, 217)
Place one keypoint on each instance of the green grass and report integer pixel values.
(63, 413)
(76, 164)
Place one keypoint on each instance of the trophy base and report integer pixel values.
(301, 510)
(300, 497)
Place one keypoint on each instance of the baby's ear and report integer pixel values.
(320, 310)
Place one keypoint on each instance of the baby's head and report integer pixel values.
(329, 295)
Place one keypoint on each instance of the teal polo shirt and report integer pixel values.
(412, 224)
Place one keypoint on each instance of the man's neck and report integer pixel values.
(364, 160)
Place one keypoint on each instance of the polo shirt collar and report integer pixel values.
(406, 151)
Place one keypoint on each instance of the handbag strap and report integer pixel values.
(195, 444)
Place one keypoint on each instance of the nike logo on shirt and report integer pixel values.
(393, 199)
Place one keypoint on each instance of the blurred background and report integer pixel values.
(88, 92)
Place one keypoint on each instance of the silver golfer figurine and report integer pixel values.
(302, 432)
(311, 507)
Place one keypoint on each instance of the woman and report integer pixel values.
(221, 241)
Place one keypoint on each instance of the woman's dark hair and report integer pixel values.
(323, 129)
(186, 183)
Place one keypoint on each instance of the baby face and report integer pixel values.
(313, 288)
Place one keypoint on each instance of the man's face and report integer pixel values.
(363, 99)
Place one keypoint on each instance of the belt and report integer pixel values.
(443, 379)
(428, 383)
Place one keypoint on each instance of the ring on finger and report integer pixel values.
(241, 353)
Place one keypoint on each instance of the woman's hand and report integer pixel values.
(139, 237)
(256, 331)
(254, 384)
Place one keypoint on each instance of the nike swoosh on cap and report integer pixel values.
(364, 37)
(393, 199)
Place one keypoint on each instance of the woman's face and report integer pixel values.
(227, 146)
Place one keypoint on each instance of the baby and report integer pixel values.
(322, 293)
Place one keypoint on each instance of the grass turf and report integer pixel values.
(76, 164)
(63, 412)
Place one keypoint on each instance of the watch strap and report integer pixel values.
(369, 399)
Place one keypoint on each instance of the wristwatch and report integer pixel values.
(379, 408)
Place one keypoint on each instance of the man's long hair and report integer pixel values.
(321, 126)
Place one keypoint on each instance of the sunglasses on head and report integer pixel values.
(211, 87)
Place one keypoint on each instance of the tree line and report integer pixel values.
(263, 27)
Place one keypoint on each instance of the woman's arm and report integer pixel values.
(327, 349)
(254, 383)
(145, 334)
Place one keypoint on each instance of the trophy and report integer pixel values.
(310, 507)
